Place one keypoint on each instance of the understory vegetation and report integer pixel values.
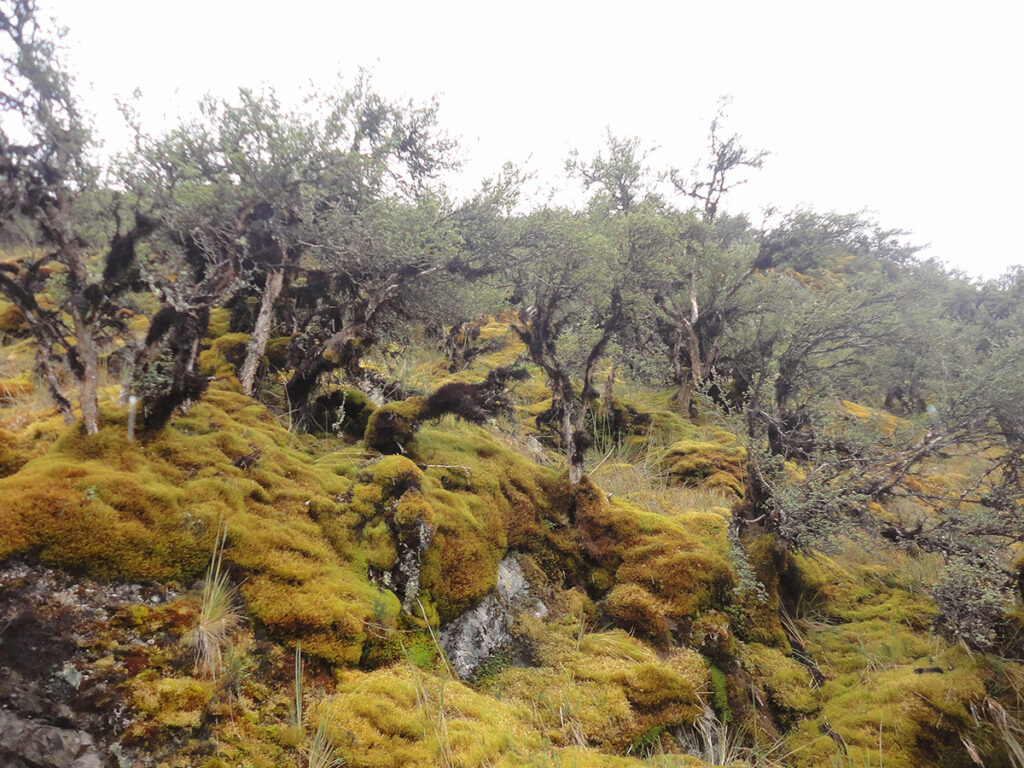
(304, 462)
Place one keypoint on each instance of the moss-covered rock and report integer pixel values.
(664, 576)
(707, 464)
(391, 427)
(148, 510)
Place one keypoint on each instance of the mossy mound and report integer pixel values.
(391, 427)
(659, 575)
(602, 689)
(892, 690)
(699, 463)
(224, 355)
(12, 321)
(148, 510)
(345, 410)
(486, 500)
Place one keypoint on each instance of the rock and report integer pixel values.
(473, 636)
(410, 557)
(26, 742)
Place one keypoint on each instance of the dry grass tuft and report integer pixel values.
(218, 615)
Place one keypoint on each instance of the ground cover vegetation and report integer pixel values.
(305, 462)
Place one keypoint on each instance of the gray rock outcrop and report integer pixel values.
(31, 744)
(473, 636)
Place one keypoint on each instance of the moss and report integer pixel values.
(711, 634)
(12, 455)
(12, 322)
(219, 324)
(705, 464)
(146, 510)
(787, 682)
(348, 407)
(720, 695)
(756, 613)
(176, 702)
(403, 716)
(391, 427)
(605, 688)
(634, 608)
(224, 356)
(276, 353)
(664, 576)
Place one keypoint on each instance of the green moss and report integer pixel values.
(664, 576)
(175, 702)
(12, 322)
(220, 322)
(224, 356)
(706, 464)
(787, 682)
(720, 695)
(146, 510)
(390, 428)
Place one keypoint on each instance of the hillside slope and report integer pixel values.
(455, 603)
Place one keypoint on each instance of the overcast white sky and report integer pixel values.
(911, 110)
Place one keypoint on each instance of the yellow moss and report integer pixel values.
(633, 607)
(484, 499)
(705, 464)
(606, 688)
(147, 510)
(224, 356)
(220, 322)
(172, 702)
(412, 507)
(391, 427)
(396, 471)
(664, 576)
(889, 422)
(11, 319)
(787, 682)
(403, 716)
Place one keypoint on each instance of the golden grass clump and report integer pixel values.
(218, 615)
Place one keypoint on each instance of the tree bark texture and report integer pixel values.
(261, 331)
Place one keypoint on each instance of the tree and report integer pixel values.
(47, 178)
(847, 334)
(569, 307)
(284, 195)
(708, 185)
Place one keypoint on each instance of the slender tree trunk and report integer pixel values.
(261, 331)
(684, 395)
(53, 382)
(88, 356)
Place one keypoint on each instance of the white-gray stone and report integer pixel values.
(473, 636)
